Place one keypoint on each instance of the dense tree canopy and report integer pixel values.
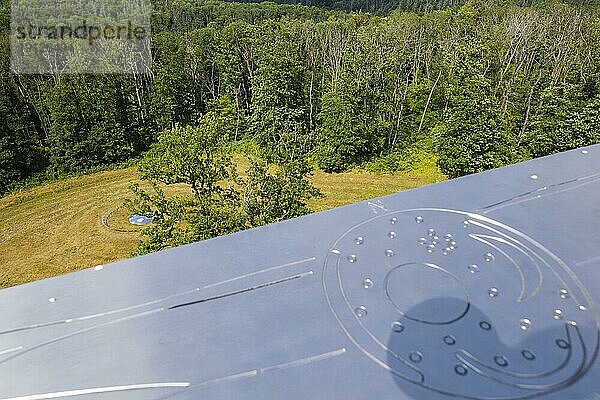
(479, 85)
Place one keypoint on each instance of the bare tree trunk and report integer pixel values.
(428, 102)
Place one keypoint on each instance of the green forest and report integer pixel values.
(323, 84)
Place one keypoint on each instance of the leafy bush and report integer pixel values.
(403, 160)
(565, 120)
(473, 139)
(220, 201)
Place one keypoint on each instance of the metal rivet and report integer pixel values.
(525, 323)
(450, 340)
(473, 268)
(460, 369)
(501, 361)
(361, 311)
(415, 357)
(486, 326)
(528, 355)
(397, 326)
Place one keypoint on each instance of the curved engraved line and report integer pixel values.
(552, 270)
(242, 291)
(541, 192)
(11, 350)
(566, 382)
(421, 383)
(379, 343)
(434, 266)
(98, 315)
(518, 268)
(354, 342)
(152, 302)
(588, 261)
(473, 359)
(536, 265)
(304, 361)
(479, 220)
(224, 295)
(68, 335)
(364, 328)
(262, 271)
(515, 199)
(106, 389)
(248, 374)
(480, 238)
(592, 306)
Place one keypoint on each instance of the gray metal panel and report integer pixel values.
(482, 287)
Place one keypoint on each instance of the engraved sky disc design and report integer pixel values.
(495, 317)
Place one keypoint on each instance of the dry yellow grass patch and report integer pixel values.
(80, 222)
(58, 228)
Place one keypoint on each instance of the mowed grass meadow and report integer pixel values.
(80, 222)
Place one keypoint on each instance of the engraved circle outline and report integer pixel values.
(421, 320)
(332, 251)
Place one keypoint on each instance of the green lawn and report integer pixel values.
(80, 222)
